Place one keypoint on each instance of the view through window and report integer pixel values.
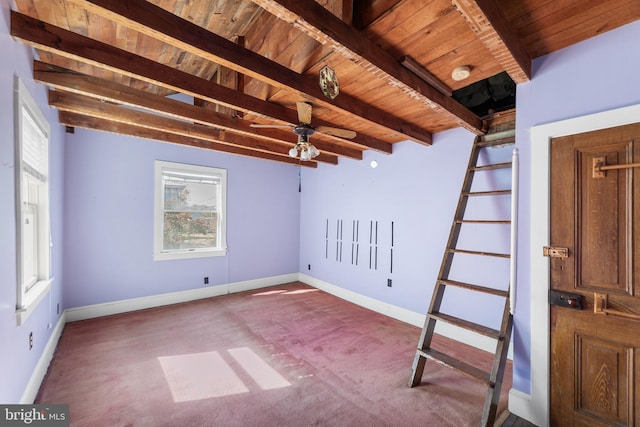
(190, 211)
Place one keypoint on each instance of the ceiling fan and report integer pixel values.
(304, 129)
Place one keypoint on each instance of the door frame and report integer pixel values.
(536, 408)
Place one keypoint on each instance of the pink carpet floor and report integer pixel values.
(289, 355)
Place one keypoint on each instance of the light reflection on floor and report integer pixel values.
(284, 292)
(264, 375)
(207, 375)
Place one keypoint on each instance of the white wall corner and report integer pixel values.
(520, 404)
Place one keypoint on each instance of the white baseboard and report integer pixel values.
(520, 405)
(411, 317)
(31, 391)
(123, 306)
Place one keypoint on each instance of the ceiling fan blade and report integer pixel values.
(256, 125)
(304, 112)
(342, 133)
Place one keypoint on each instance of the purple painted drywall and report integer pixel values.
(597, 75)
(109, 220)
(16, 360)
(416, 188)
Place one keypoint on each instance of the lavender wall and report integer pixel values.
(597, 75)
(109, 220)
(17, 362)
(416, 188)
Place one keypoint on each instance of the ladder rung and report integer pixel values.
(465, 324)
(456, 364)
(483, 221)
(492, 143)
(486, 193)
(478, 288)
(464, 251)
(492, 166)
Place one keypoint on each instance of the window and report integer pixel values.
(189, 211)
(32, 203)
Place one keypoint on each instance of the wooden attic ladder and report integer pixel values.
(492, 378)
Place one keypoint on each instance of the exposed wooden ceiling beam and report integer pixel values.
(87, 106)
(50, 38)
(485, 19)
(74, 120)
(320, 24)
(156, 22)
(71, 81)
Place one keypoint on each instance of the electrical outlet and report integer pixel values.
(309, 267)
(206, 280)
(389, 282)
(30, 340)
(58, 309)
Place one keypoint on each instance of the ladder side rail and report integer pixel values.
(447, 260)
(492, 398)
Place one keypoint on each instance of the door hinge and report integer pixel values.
(555, 252)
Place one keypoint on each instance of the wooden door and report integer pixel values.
(595, 357)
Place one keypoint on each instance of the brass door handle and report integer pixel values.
(600, 307)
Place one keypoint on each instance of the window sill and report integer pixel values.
(31, 300)
(163, 256)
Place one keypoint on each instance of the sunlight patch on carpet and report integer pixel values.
(284, 292)
(277, 291)
(200, 376)
(300, 291)
(264, 375)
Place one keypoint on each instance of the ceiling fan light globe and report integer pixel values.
(293, 152)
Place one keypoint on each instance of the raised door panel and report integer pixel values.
(603, 381)
(604, 214)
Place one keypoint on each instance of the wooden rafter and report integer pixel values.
(74, 120)
(324, 27)
(186, 44)
(91, 107)
(496, 34)
(65, 43)
(156, 22)
(70, 81)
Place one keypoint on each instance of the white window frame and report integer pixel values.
(32, 203)
(221, 250)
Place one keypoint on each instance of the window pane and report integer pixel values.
(180, 194)
(29, 246)
(190, 220)
(33, 145)
(189, 230)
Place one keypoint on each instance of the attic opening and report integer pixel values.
(491, 95)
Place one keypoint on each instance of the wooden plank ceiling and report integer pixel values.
(202, 72)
